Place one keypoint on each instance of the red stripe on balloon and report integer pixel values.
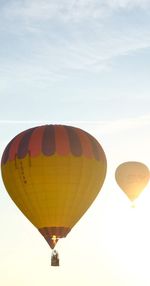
(61, 141)
(74, 141)
(35, 143)
(87, 149)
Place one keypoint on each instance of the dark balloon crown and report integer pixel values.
(53, 139)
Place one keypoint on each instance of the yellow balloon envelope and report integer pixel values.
(53, 173)
(132, 178)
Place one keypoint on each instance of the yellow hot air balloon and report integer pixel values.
(132, 178)
(53, 173)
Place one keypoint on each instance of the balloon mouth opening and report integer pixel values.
(53, 234)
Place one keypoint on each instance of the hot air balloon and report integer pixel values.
(53, 173)
(132, 178)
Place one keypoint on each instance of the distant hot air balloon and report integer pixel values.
(132, 178)
(53, 173)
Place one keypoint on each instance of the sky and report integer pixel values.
(84, 63)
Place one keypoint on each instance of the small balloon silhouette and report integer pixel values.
(132, 177)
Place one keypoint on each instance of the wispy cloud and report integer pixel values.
(53, 39)
(129, 4)
(68, 10)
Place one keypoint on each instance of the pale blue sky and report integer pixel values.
(60, 58)
(85, 63)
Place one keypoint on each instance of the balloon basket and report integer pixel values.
(54, 258)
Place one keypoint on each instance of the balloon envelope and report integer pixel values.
(132, 178)
(53, 173)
